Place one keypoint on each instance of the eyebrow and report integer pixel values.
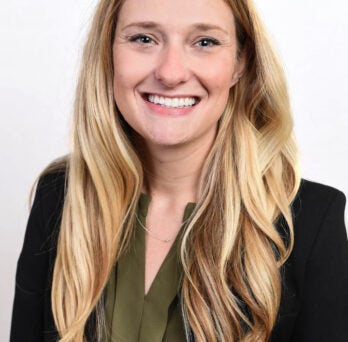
(195, 27)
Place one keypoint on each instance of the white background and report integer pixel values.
(40, 48)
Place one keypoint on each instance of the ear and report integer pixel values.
(239, 69)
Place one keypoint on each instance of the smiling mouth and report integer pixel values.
(172, 102)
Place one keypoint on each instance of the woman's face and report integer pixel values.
(175, 62)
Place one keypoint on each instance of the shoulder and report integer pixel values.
(51, 189)
(46, 210)
(314, 205)
(42, 229)
(31, 307)
(318, 214)
(52, 180)
(315, 277)
(316, 196)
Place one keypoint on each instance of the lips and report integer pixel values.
(181, 101)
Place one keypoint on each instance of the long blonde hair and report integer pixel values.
(231, 250)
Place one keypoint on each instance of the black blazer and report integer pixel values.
(314, 303)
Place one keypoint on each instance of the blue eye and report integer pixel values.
(141, 39)
(207, 42)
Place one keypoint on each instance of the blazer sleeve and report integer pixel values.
(32, 291)
(324, 310)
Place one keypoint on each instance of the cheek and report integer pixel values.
(219, 79)
(218, 85)
(123, 78)
(126, 77)
(130, 70)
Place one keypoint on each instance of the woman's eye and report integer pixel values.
(141, 39)
(207, 42)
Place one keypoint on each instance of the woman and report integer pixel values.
(180, 214)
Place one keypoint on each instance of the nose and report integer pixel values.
(172, 67)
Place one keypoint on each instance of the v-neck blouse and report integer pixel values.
(132, 315)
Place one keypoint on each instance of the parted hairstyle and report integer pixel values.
(232, 249)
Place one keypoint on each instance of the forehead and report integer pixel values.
(177, 13)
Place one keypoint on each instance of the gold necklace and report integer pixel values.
(154, 235)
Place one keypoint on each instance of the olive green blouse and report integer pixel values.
(132, 316)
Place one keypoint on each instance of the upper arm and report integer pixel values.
(324, 311)
(32, 292)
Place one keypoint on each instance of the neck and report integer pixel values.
(174, 172)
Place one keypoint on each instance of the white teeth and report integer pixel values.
(172, 102)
